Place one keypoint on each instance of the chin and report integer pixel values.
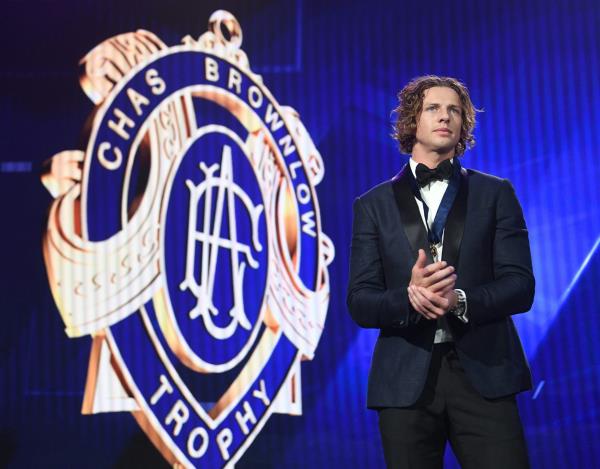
(444, 150)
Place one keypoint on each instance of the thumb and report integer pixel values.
(421, 259)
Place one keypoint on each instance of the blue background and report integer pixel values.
(532, 66)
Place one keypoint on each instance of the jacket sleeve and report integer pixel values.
(371, 303)
(513, 287)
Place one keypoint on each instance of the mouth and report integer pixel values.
(443, 131)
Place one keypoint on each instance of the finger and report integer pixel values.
(437, 276)
(432, 268)
(418, 269)
(431, 297)
(429, 317)
(414, 303)
(445, 291)
(436, 300)
(443, 285)
(420, 263)
(417, 306)
(428, 306)
(418, 276)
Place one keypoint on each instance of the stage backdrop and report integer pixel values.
(178, 272)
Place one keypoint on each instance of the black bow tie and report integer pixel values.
(426, 175)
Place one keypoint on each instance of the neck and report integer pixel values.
(431, 159)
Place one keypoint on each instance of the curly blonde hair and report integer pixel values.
(410, 105)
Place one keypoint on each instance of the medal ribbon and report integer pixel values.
(434, 233)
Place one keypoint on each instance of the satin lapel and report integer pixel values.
(455, 224)
(409, 212)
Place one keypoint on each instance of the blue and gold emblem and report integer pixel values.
(186, 239)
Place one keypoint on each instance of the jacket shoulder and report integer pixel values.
(382, 191)
(481, 180)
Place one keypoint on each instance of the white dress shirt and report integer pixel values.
(432, 195)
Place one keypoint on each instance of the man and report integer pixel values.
(440, 261)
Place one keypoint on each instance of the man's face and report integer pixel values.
(440, 121)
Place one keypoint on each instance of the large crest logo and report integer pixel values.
(186, 239)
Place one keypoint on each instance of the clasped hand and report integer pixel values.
(431, 289)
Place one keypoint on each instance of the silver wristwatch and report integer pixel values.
(460, 310)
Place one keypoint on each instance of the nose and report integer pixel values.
(444, 115)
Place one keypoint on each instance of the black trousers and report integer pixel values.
(483, 433)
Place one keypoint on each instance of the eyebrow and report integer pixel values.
(438, 104)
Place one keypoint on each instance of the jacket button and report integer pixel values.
(398, 323)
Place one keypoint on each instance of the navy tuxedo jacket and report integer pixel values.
(486, 240)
